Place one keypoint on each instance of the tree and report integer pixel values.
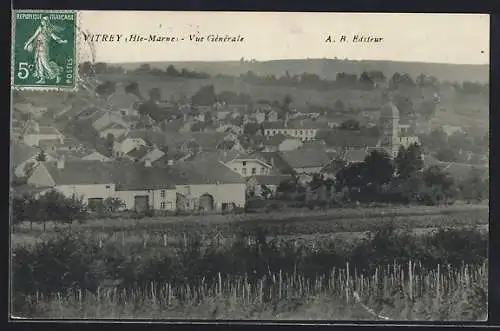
(145, 67)
(440, 186)
(447, 155)
(133, 88)
(109, 144)
(155, 94)
(86, 69)
(265, 192)
(427, 108)
(112, 205)
(172, 71)
(106, 89)
(41, 157)
(205, 96)
(100, 67)
(409, 161)
(285, 105)
(365, 80)
(475, 187)
(339, 105)
(350, 124)
(379, 170)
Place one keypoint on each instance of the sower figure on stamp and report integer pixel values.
(40, 41)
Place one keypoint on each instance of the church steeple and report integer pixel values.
(389, 126)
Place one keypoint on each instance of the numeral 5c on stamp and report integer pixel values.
(44, 49)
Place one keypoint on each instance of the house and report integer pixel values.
(281, 143)
(142, 187)
(306, 161)
(451, 129)
(138, 186)
(30, 109)
(348, 139)
(90, 180)
(34, 133)
(208, 186)
(153, 155)
(126, 144)
(303, 129)
(137, 154)
(229, 127)
(248, 165)
(23, 158)
(271, 182)
(106, 122)
(272, 116)
(96, 156)
(126, 104)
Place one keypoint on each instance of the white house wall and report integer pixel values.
(86, 192)
(260, 168)
(155, 198)
(222, 193)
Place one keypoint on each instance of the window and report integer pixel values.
(162, 205)
(254, 171)
(244, 163)
(262, 170)
(244, 171)
(162, 193)
(108, 186)
(301, 132)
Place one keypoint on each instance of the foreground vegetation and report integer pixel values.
(388, 275)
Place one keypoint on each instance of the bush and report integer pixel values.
(79, 261)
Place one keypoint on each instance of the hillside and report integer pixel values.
(328, 68)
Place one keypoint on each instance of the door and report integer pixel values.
(141, 203)
(206, 202)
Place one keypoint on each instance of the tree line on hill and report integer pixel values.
(403, 180)
(367, 80)
(89, 69)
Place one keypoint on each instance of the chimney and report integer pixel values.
(147, 163)
(60, 163)
(170, 162)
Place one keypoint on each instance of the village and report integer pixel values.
(172, 156)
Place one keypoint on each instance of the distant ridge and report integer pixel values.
(328, 68)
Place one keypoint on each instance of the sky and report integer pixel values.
(438, 38)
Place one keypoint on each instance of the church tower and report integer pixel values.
(389, 128)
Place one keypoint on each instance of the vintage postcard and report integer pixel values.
(249, 166)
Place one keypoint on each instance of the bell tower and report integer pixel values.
(389, 127)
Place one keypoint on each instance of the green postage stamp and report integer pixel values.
(44, 49)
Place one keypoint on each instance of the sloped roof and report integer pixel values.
(138, 153)
(356, 155)
(206, 172)
(154, 137)
(20, 152)
(153, 155)
(207, 140)
(125, 174)
(389, 110)
(354, 139)
(108, 118)
(121, 99)
(81, 172)
(271, 179)
(135, 176)
(306, 158)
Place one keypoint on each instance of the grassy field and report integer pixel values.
(405, 294)
(302, 225)
(367, 264)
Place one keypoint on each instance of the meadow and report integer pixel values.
(253, 269)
